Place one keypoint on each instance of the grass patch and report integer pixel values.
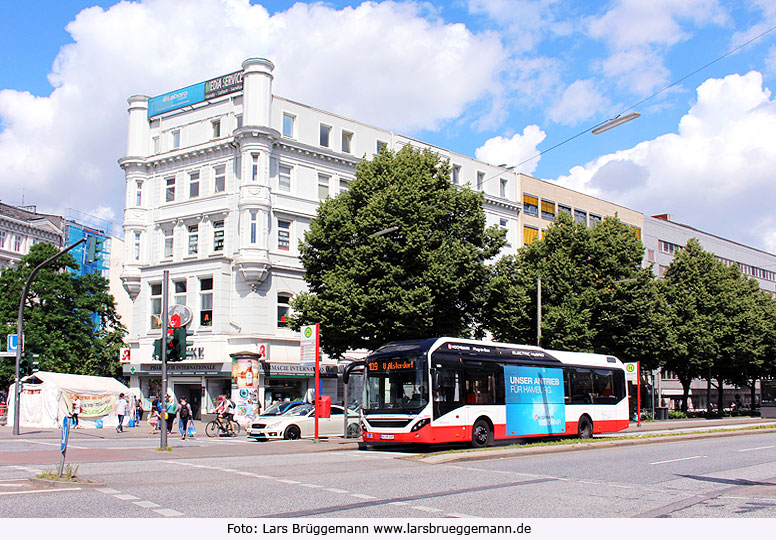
(572, 441)
(69, 474)
(167, 449)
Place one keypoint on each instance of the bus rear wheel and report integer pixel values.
(585, 428)
(482, 435)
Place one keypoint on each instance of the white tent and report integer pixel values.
(46, 399)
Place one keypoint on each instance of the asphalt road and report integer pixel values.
(730, 477)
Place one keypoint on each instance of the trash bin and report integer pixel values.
(661, 413)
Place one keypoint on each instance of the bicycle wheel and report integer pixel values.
(236, 428)
(211, 429)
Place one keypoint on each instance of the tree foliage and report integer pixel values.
(70, 321)
(595, 296)
(424, 277)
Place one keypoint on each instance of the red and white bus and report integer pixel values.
(446, 390)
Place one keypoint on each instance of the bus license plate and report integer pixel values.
(386, 437)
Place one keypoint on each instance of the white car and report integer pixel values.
(299, 423)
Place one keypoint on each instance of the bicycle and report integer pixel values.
(217, 428)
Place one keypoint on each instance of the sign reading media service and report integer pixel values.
(535, 400)
(196, 93)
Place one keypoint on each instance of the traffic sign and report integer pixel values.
(12, 342)
(631, 372)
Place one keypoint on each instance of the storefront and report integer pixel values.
(295, 382)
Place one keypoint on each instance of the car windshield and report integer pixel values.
(300, 410)
(396, 384)
(281, 408)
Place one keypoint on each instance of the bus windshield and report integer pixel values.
(396, 384)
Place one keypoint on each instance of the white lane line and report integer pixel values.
(464, 516)
(426, 509)
(399, 503)
(362, 496)
(335, 490)
(108, 491)
(283, 481)
(40, 491)
(167, 512)
(146, 504)
(678, 459)
(126, 497)
(753, 449)
(315, 486)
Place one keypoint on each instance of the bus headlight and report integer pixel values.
(420, 424)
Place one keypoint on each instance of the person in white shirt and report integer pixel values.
(76, 411)
(121, 412)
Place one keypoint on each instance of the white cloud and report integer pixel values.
(639, 32)
(714, 172)
(580, 101)
(517, 150)
(391, 64)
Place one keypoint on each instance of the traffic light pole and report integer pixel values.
(165, 328)
(20, 332)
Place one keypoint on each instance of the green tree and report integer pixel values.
(400, 255)
(595, 297)
(69, 320)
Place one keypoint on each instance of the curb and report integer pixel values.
(477, 455)
(84, 484)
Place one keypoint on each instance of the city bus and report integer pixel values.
(445, 390)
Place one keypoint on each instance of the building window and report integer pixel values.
(323, 186)
(636, 231)
(594, 219)
(661, 270)
(2, 239)
(502, 188)
(530, 205)
(347, 141)
(206, 301)
(381, 145)
(324, 136)
(564, 208)
(180, 292)
(157, 145)
(176, 139)
(136, 246)
(284, 235)
(238, 119)
(254, 167)
(284, 178)
(284, 308)
(193, 239)
(194, 184)
(651, 255)
(503, 224)
(169, 195)
(254, 223)
(548, 210)
(480, 180)
(168, 243)
(218, 235)
(530, 234)
(216, 127)
(668, 247)
(219, 185)
(138, 193)
(156, 305)
(457, 175)
(580, 216)
(343, 185)
(288, 125)
(17, 243)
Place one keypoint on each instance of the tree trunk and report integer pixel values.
(720, 396)
(685, 393)
(753, 396)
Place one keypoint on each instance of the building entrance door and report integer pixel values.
(193, 394)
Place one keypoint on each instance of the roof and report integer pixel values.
(87, 384)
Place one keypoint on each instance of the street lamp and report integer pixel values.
(614, 122)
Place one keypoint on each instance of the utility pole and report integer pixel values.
(165, 328)
(539, 311)
(20, 331)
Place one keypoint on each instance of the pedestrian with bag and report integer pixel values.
(184, 417)
(169, 412)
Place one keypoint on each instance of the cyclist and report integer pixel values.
(225, 411)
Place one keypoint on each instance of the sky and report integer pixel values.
(499, 80)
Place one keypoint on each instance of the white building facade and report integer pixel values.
(21, 227)
(222, 181)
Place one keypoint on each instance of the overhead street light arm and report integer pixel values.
(614, 122)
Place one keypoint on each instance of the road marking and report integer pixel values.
(126, 497)
(39, 491)
(678, 459)
(753, 449)
(282, 481)
(310, 485)
(167, 512)
(108, 491)
(146, 504)
(399, 503)
(426, 509)
(464, 516)
(335, 490)
(361, 496)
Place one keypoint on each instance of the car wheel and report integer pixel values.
(585, 427)
(482, 435)
(292, 433)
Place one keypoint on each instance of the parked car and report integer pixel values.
(299, 422)
(283, 406)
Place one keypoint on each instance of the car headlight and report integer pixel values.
(273, 425)
(421, 423)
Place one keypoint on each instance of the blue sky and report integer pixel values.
(496, 79)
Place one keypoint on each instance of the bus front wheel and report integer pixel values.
(482, 435)
(585, 428)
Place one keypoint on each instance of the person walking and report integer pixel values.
(184, 417)
(153, 419)
(170, 409)
(76, 411)
(121, 412)
(138, 411)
